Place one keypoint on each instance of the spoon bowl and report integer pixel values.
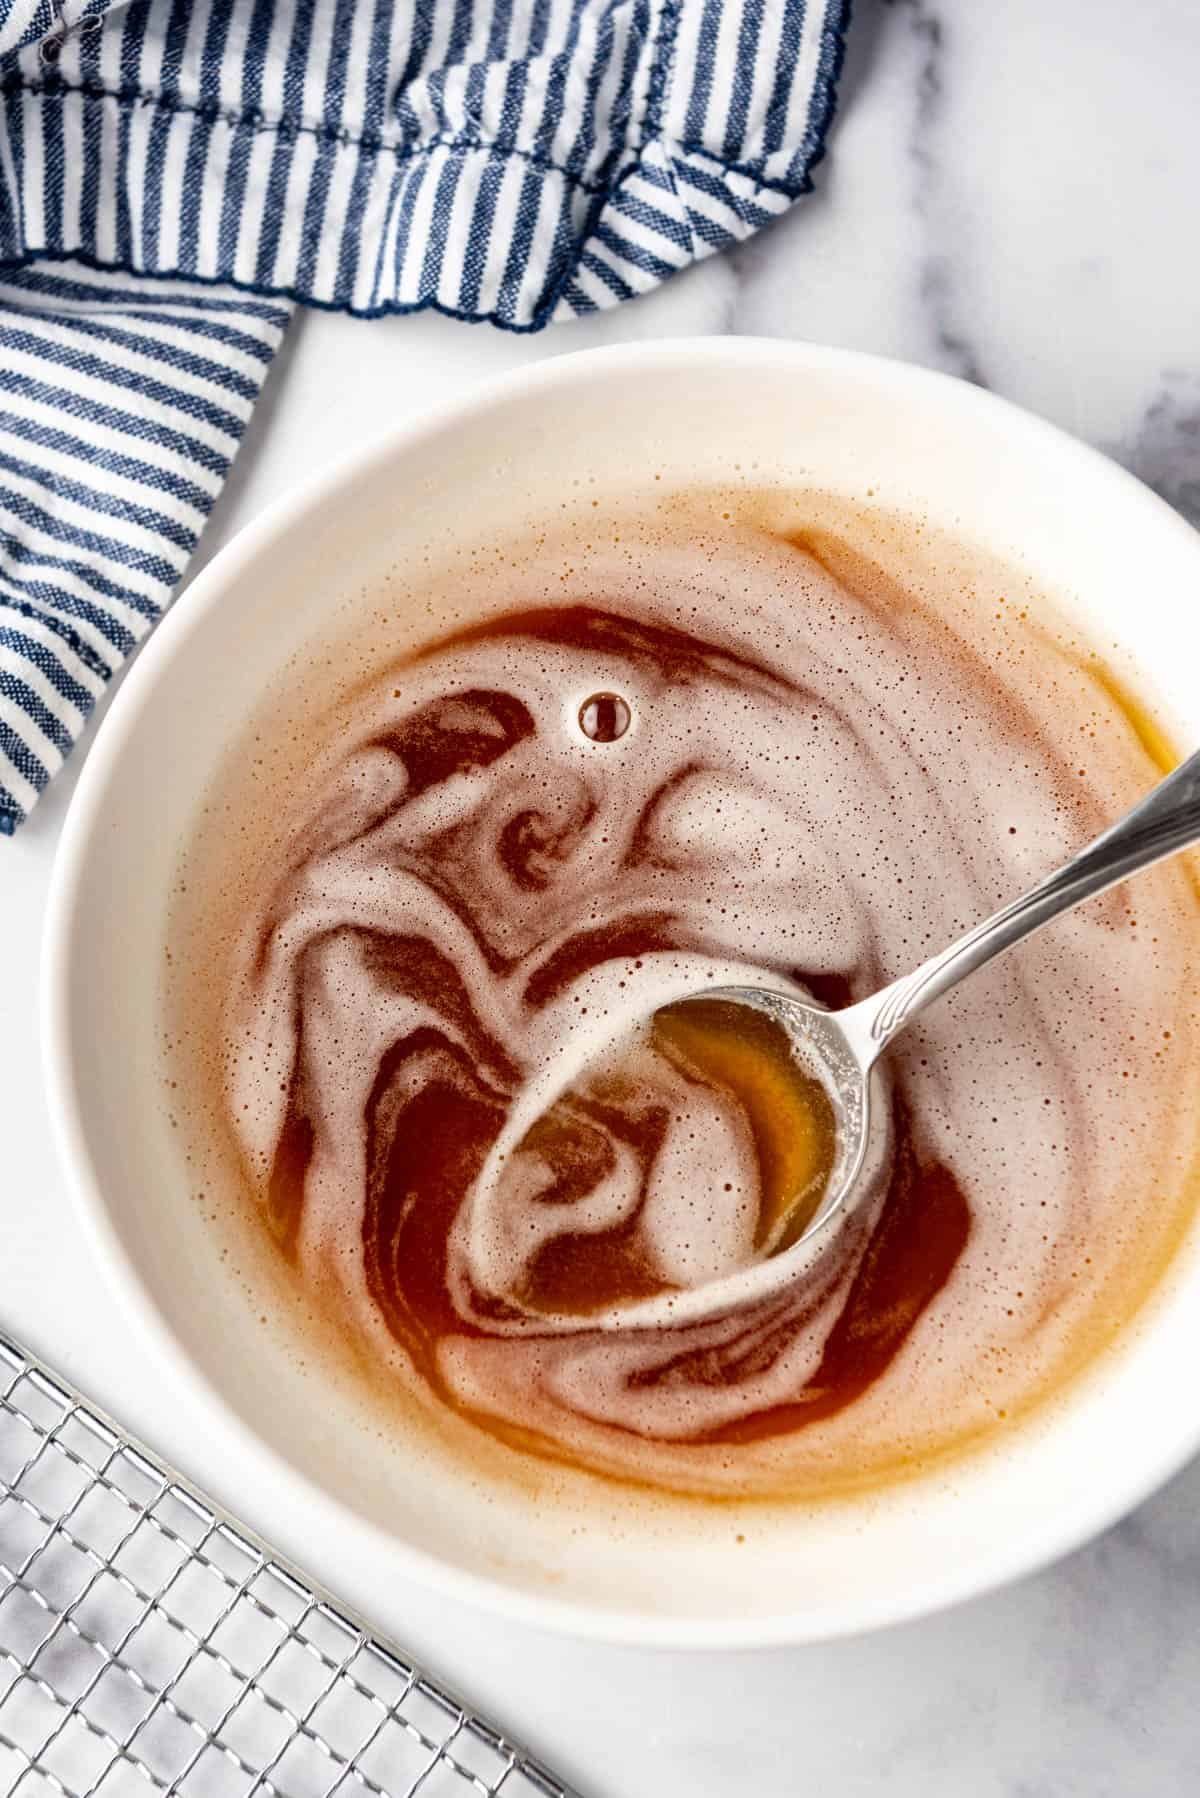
(836, 1048)
(842, 1047)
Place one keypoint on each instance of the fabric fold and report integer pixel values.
(511, 162)
(122, 403)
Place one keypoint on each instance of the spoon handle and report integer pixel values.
(1167, 819)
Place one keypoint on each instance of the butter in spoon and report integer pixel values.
(845, 1045)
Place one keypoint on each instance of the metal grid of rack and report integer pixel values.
(148, 1640)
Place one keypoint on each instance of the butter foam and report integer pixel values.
(825, 777)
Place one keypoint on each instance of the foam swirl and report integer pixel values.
(819, 793)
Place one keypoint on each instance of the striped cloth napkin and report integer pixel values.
(175, 174)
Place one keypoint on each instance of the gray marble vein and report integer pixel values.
(936, 278)
(1164, 448)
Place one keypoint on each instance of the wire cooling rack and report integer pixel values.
(148, 1639)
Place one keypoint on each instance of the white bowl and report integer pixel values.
(690, 411)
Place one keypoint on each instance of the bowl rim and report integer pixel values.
(1058, 1535)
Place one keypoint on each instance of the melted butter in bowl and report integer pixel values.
(832, 757)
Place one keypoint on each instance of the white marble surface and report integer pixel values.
(1011, 194)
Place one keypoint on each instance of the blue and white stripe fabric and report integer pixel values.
(121, 407)
(175, 173)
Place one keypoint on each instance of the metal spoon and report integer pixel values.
(843, 1046)
(840, 1048)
